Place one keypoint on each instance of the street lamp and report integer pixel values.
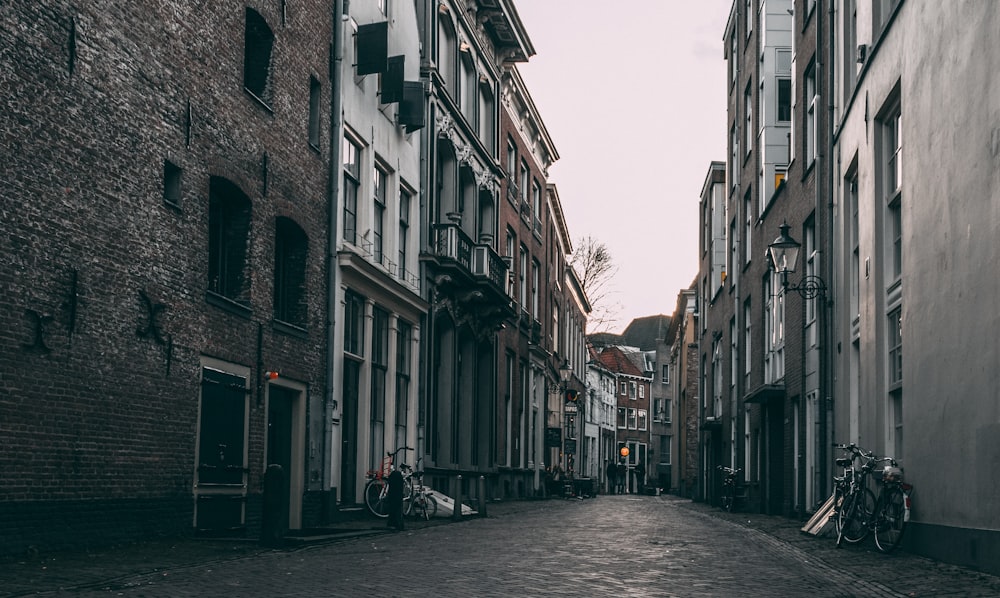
(565, 372)
(783, 252)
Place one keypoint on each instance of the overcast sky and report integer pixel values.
(633, 94)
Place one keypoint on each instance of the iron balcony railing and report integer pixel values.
(481, 261)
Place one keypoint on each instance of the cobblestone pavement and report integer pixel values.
(608, 546)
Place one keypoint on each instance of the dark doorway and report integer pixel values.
(349, 434)
(279, 442)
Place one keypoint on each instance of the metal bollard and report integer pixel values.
(456, 514)
(482, 496)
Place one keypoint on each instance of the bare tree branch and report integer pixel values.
(596, 270)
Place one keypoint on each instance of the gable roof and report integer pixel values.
(646, 331)
(615, 360)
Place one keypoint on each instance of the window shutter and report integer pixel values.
(392, 82)
(373, 48)
(411, 108)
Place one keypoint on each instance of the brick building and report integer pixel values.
(165, 215)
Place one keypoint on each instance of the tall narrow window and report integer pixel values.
(748, 119)
(535, 281)
(314, 112)
(258, 42)
(784, 99)
(290, 253)
(536, 205)
(522, 272)
(380, 183)
(380, 360)
(228, 238)
(892, 175)
(352, 181)
(171, 184)
(812, 101)
(354, 324)
(404, 229)
(403, 352)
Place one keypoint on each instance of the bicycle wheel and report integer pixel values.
(890, 519)
(430, 506)
(728, 497)
(375, 497)
(857, 511)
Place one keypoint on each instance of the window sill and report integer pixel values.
(227, 304)
(259, 100)
(289, 329)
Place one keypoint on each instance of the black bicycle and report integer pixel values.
(885, 516)
(733, 493)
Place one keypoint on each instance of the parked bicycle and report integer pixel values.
(733, 492)
(420, 503)
(377, 487)
(884, 516)
(851, 489)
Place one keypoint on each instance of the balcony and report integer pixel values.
(471, 277)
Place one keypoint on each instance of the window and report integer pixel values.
(621, 417)
(228, 235)
(258, 42)
(487, 115)
(747, 339)
(748, 18)
(633, 418)
(171, 184)
(747, 226)
(668, 411)
(811, 115)
(380, 183)
(354, 324)
(511, 161)
(665, 376)
(892, 175)
(734, 152)
(895, 344)
(642, 391)
(784, 99)
(535, 280)
(291, 249)
(352, 180)
(631, 390)
(524, 186)
(854, 238)
(536, 205)
(624, 389)
(748, 119)
(380, 361)
(404, 229)
(404, 333)
(643, 417)
(811, 259)
(522, 283)
(665, 450)
(851, 58)
(447, 58)
(469, 91)
(881, 13)
(733, 67)
(314, 112)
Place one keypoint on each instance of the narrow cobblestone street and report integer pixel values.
(609, 546)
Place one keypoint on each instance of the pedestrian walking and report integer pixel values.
(640, 477)
(395, 500)
(611, 471)
(622, 476)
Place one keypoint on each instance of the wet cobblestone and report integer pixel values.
(608, 546)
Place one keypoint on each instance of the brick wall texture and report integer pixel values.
(99, 407)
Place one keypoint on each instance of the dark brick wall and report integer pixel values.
(94, 408)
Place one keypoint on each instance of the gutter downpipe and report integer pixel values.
(827, 264)
(336, 133)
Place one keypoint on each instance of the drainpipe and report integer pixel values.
(827, 264)
(336, 134)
